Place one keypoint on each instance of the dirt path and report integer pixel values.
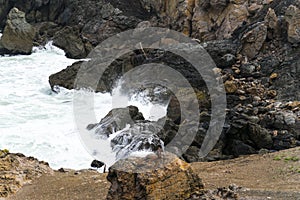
(275, 175)
(268, 176)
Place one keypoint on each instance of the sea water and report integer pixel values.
(38, 122)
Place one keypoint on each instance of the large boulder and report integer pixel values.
(18, 35)
(153, 177)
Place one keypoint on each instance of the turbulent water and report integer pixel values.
(38, 122)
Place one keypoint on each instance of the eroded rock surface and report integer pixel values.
(16, 170)
(18, 35)
(153, 177)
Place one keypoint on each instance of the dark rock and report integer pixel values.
(117, 119)
(68, 39)
(260, 136)
(237, 147)
(66, 77)
(97, 164)
(222, 52)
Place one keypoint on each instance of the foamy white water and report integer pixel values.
(40, 123)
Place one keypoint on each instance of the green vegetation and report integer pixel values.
(4, 152)
(278, 157)
(291, 158)
(286, 158)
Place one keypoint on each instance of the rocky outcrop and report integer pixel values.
(16, 170)
(66, 77)
(18, 35)
(153, 177)
(69, 40)
(253, 43)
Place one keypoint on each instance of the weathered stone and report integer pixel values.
(292, 16)
(253, 40)
(16, 170)
(153, 177)
(230, 87)
(271, 19)
(218, 21)
(68, 39)
(260, 136)
(18, 35)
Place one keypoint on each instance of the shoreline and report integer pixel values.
(275, 175)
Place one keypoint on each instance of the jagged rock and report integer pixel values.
(292, 16)
(68, 39)
(253, 40)
(18, 35)
(260, 136)
(116, 120)
(271, 19)
(152, 177)
(16, 170)
(218, 20)
(66, 77)
(222, 52)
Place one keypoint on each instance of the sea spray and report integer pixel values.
(39, 122)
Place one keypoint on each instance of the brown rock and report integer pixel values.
(271, 19)
(18, 35)
(218, 19)
(273, 76)
(17, 170)
(292, 16)
(272, 93)
(253, 40)
(230, 87)
(152, 177)
(294, 104)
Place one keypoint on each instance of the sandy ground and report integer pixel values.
(268, 176)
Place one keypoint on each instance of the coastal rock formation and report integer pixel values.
(69, 40)
(17, 170)
(293, 20)
(153, 177)
(254, 45)
(18, 35)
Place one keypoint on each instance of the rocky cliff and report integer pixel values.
(255, 45)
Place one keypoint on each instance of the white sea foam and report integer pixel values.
(40, 123)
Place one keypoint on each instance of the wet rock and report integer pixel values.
(18, 35)
(66, 77)
(166, 177)
(142, 136)
(117, 119)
